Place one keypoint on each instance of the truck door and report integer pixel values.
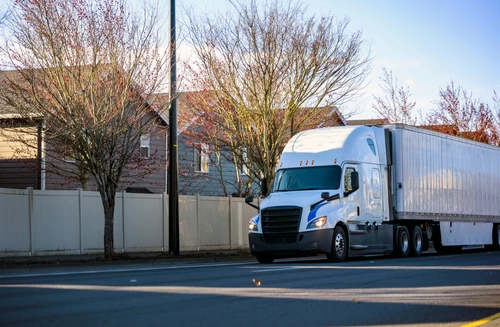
(357, 223)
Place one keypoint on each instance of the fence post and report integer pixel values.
(80, 217)
(198, 220)
(30, 218)
(230, 225)
(240, 225)
(163, 217)
(123, 220)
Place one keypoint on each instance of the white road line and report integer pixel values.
(105, 271)
(275, 269)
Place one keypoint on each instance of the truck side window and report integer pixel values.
(372, 146)
(347, 178)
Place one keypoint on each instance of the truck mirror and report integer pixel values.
(248, 199)
(355, 180)
(263, 186)
(325, 195)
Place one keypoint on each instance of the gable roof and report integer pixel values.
(333, 116)
(9, 112)
(368, 122)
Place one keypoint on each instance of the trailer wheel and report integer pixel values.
(416, 241)
(264, 258)
(339, 246)
(403, 242)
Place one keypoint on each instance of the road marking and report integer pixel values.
(104, 271)
(483, 321)
(275, 269)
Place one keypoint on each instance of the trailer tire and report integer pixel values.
(339, 246)
(403, 242)
(416, 241)
(264, 258)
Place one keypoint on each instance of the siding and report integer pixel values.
(154, 181)
(206, 184)
(18, 163)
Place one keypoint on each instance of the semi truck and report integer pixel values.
(359, 190)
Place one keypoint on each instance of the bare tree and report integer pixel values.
(89, 68)
(262, 63)
(395, 105)
(458, 112)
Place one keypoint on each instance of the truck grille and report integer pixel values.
(281, 224)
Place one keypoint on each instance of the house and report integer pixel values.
(20, 166)
(29, 159)
(207, 171)
(201, 170)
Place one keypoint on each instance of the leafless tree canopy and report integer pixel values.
(88, 68)
(395, 104)
(261, 62)
(464, 115)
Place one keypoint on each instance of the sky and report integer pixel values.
(426, 44)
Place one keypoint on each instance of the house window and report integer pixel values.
(69, 155)
(201, 158)
(145, 144)
(243, 166)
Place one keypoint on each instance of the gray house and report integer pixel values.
(208, 171)
(201, 170)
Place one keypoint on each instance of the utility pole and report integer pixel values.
(173, 182)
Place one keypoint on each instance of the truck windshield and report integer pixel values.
(307, 178)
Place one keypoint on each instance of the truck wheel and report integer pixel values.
(264, 258)
(339, 246)
(416, 241)
(403, 242)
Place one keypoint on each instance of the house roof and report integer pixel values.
(332, 115)
(156, 101)
(7, 111)
(368, 122)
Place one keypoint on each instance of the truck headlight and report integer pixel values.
(317, 222)
(253, 225)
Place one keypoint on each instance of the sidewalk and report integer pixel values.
(38, 264)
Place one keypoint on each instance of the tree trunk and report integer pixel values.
(108, 202)
(109, 242)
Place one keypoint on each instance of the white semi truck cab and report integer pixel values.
(359, 190)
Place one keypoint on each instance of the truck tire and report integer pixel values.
(339, 246)
(416, 241)
(264, 258)
(402, 246)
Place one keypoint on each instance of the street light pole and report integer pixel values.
(173, 182)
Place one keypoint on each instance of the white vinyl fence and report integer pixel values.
(34, 223)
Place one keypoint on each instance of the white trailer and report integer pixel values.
(358, 190)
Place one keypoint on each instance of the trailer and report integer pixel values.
(360, 190)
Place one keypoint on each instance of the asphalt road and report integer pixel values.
(445, 290)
